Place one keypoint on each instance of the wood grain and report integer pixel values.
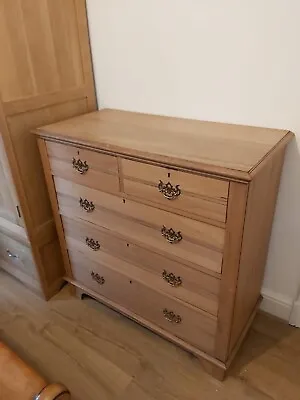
(44, 78)
(228, 150)
(258, 224)
(237, 201)
(194, 290)
(196, 328)
(204, 287)
(97, 353)
(187, 251)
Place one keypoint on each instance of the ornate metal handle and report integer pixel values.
(80, 166)
(96, 277)
(92, 244)
(88, 206)
(169, 191)
(172, 279)
(172, 317)
(170, 235)
(11, 255)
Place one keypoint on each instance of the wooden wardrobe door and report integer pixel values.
(45, 76)
(8, 203)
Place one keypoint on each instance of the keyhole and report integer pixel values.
(127, 244)
(130, 282)
(124, 201)
(169, 175)
(78, 152)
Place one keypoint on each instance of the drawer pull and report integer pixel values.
(96, 277)
(88, 206)
(170, 235)
(80, 166)
(92, 244)
(11, 255)
(172, 317)
(172, 279)
(169, 191)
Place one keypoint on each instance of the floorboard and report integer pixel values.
(102, 355)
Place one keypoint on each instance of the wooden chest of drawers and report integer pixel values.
(167, 220)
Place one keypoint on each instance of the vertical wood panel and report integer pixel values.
(16, 79)
(233, 241)
(259, 217)
(66, 42)
(40, 44)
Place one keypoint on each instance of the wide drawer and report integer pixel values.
(16, 259)
(201, 243)
(88, 168)
(185, 322)
(176, 190)
(178, 280)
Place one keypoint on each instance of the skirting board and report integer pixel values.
(295, 315)
(276, 304)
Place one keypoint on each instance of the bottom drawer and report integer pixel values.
(16, 259)
(193, 326)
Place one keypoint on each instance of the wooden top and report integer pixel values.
(228, 150)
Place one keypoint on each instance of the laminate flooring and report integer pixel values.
(101, 355)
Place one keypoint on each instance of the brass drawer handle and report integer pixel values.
(172, 279)
(80, 166)
(169, 191)
(170, 235)
(96, 277)
(172, 317)
(88, 206)
(11, 255)
(92, 244)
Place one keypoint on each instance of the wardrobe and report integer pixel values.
(45, 76)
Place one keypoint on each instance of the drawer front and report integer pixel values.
(201, 244)
(176, 190)
(179, 281)
(185, 322)
(16, 259)
(88, 168)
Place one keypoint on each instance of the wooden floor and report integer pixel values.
(101, 355)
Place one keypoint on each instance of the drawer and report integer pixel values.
(16, 259)
(88, 168)
(178, 280)
(194, 326)
(201, 243)
(179, 191)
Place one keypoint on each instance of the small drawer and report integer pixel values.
(184, 322)
(178, 191)
(170, 234)
(178, 280)
(88, 168)
(16, 259)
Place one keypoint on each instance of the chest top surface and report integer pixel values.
(225, 149)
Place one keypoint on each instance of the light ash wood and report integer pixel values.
(150, 235)
(201, 196)
(197, 288)
(45, 76)
(197, 328)
(99, 354)
(229, 150)
(221, 243)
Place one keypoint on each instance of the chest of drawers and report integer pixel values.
(167, 220)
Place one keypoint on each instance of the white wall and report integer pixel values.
(221, 60)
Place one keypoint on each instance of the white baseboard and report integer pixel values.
(295, 315)
(277, 304)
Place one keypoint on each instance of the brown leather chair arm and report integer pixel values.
(54, 391)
